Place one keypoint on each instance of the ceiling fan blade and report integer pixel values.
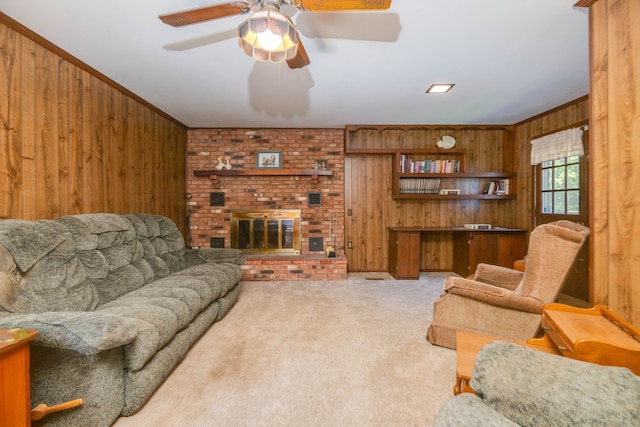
(301, 59)
(202, 14)
(202, 41)
(379, 27)
(328, 5)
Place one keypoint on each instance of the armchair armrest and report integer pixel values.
(86, 333)
(494, 295)
(498, 276)
(202, 255)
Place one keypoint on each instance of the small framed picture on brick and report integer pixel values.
(269, 159)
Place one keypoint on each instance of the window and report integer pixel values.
(560, 186)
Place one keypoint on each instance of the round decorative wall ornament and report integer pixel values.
(446, 142)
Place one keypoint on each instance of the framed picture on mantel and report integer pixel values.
(269, 159)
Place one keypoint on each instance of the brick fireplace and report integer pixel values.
(293, 186)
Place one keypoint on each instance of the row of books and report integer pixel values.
(407, 165)
(499, 187)
(419, 186)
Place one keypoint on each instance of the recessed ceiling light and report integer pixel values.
(440, 87)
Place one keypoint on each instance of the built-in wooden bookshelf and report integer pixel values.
(437, 174)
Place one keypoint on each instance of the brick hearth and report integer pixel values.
(294, 267)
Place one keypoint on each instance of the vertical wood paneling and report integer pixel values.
(47, 154)
(73, 142)
(599, 141)
(28, 131)
(616, 37)
(10, 182)
(64, 135)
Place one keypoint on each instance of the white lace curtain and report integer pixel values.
(558, 145)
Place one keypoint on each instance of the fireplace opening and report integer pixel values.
(267, 231)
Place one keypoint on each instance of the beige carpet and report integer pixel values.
(334, 353)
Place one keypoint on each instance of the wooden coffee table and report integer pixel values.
(468, 344)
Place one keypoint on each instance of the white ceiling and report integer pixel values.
(509, 59)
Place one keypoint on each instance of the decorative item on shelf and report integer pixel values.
(449, 191)
(446, 142)
(227, 165)
(220, 164)
(269, 159)
(477, 226)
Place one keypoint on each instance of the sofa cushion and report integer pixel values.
(198, 285)
(535, 388)
(154, 327)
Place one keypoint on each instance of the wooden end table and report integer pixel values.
(468, 344)
(15, 402)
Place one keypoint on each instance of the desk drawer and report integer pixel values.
(564, 345)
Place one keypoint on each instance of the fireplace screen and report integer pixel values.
(273, 231)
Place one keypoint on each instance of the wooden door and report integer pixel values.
(555, 182)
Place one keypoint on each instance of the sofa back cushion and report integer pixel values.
(162, 243)
(39, 269)
(109, 251)
(79, 262)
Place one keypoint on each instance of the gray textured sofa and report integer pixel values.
(117, 300)
(518, 386)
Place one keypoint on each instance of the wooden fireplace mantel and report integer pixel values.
(313, 173)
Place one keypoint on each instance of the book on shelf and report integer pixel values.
(408, 165)
(499, 187)
(419, 186)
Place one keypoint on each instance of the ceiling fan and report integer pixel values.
(268, 34)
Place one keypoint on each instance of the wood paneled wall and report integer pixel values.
(368, 193)
(615, 147)
(72, 141)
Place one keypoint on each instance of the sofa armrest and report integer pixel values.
(524, 385)
(493, 295)
(86, 333)
(498, 276)
(213, 255)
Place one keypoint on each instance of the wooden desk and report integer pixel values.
(15, 401)
(498, 246)
(468, 344)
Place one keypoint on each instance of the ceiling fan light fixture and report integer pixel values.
(268, 35)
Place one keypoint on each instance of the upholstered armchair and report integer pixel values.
(504, 302)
